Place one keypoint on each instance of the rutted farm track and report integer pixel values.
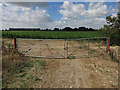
(78, 73)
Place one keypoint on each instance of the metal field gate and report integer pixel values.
(44, 48)
(62, 48)
(86, 47)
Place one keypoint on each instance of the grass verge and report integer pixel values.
(18, 70)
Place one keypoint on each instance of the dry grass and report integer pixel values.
(114, 53)
(18, 70)
(10, 56)
(12, 62)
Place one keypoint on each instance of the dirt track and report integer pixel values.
(79, 73)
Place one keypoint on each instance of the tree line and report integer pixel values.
(55, 29)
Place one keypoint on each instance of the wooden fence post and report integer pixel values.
(108, 48)
(64, 48)
(15, 45)
(88, 47)
(67, 49)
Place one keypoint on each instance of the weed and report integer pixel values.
(98, 65)
(22, 75)
(103, 67)
(30, 77)
(52, 60)
(95, 64)
(36, 78)
(90, 65)
(41, 63)
(85, 65)
(22, 81)
(100, 70)
(24, 85)
(113, 85)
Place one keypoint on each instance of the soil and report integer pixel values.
(78, 73)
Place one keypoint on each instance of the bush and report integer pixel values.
(114, 35)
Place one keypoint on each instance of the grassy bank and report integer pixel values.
(17, 70)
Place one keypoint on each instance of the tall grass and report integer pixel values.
(13, 63)
(10, 55)
(50, 34)
(113, 56)
(17, 68)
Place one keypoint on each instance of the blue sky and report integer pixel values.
(54, 8)
(57, 14)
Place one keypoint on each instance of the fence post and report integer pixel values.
(40, 49)
(67, 48)
(15, 45)
(108, 44)
(88, 46)
(64, 48)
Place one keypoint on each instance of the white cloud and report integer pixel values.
(100, 19)
(74, 15)
(74, 11)
(16, 16)
(114, 15)
(91, 17)
(96, 10)
(91, 22)
(0, 15)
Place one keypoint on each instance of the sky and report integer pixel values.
(56, 14)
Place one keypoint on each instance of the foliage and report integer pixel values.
(13, 63)
(112, 29)
(50, 34)
(55, 29)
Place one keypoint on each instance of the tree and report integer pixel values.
(112, 28)
(67, 29)
(56, 29)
